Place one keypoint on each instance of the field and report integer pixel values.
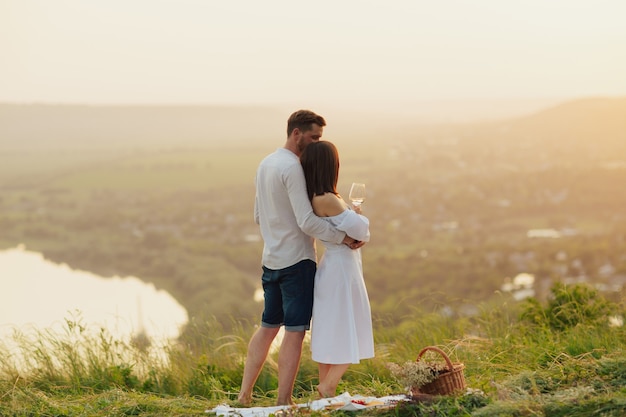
(558, 359)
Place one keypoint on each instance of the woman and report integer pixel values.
(341, 330)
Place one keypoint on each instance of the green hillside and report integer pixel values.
(450, 208)
(560, 358)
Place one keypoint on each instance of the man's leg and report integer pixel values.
(258, 347)
(297, 290)
(288, 364)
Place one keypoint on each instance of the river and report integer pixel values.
(36, 293)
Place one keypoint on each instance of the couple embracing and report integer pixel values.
(297, 201)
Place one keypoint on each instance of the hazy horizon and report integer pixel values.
(426, 111)
(448, 60)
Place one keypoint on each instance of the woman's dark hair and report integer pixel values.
(320, 162)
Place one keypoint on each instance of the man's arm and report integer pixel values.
(256, 209)
(308, 222)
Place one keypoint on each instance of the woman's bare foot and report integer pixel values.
(244, 400)
(323, 394)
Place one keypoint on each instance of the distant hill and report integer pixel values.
(39, 126)
(575, 121)
(59, 126)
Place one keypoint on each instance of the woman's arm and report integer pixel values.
(354, 224)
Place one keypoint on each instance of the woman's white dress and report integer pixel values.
(341, 329)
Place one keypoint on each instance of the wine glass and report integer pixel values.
(357, 193)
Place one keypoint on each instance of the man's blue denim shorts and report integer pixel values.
(289, 296)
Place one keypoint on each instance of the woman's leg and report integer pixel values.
(330, 375)
(323, 370)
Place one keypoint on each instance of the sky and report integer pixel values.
(353, 54)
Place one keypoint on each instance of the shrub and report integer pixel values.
(568, 307)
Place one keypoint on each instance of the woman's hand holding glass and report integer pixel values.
(357, 195)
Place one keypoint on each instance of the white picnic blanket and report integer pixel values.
(344, 401)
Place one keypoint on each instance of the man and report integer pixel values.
(288, 227)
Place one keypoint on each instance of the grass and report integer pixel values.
(514, 366)
(114, 402)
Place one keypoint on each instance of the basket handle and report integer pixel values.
(441, 352)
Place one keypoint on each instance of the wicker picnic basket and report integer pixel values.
(448, 381)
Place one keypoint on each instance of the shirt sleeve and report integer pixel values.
(308, 222)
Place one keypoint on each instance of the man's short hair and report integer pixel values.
(303, 120)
